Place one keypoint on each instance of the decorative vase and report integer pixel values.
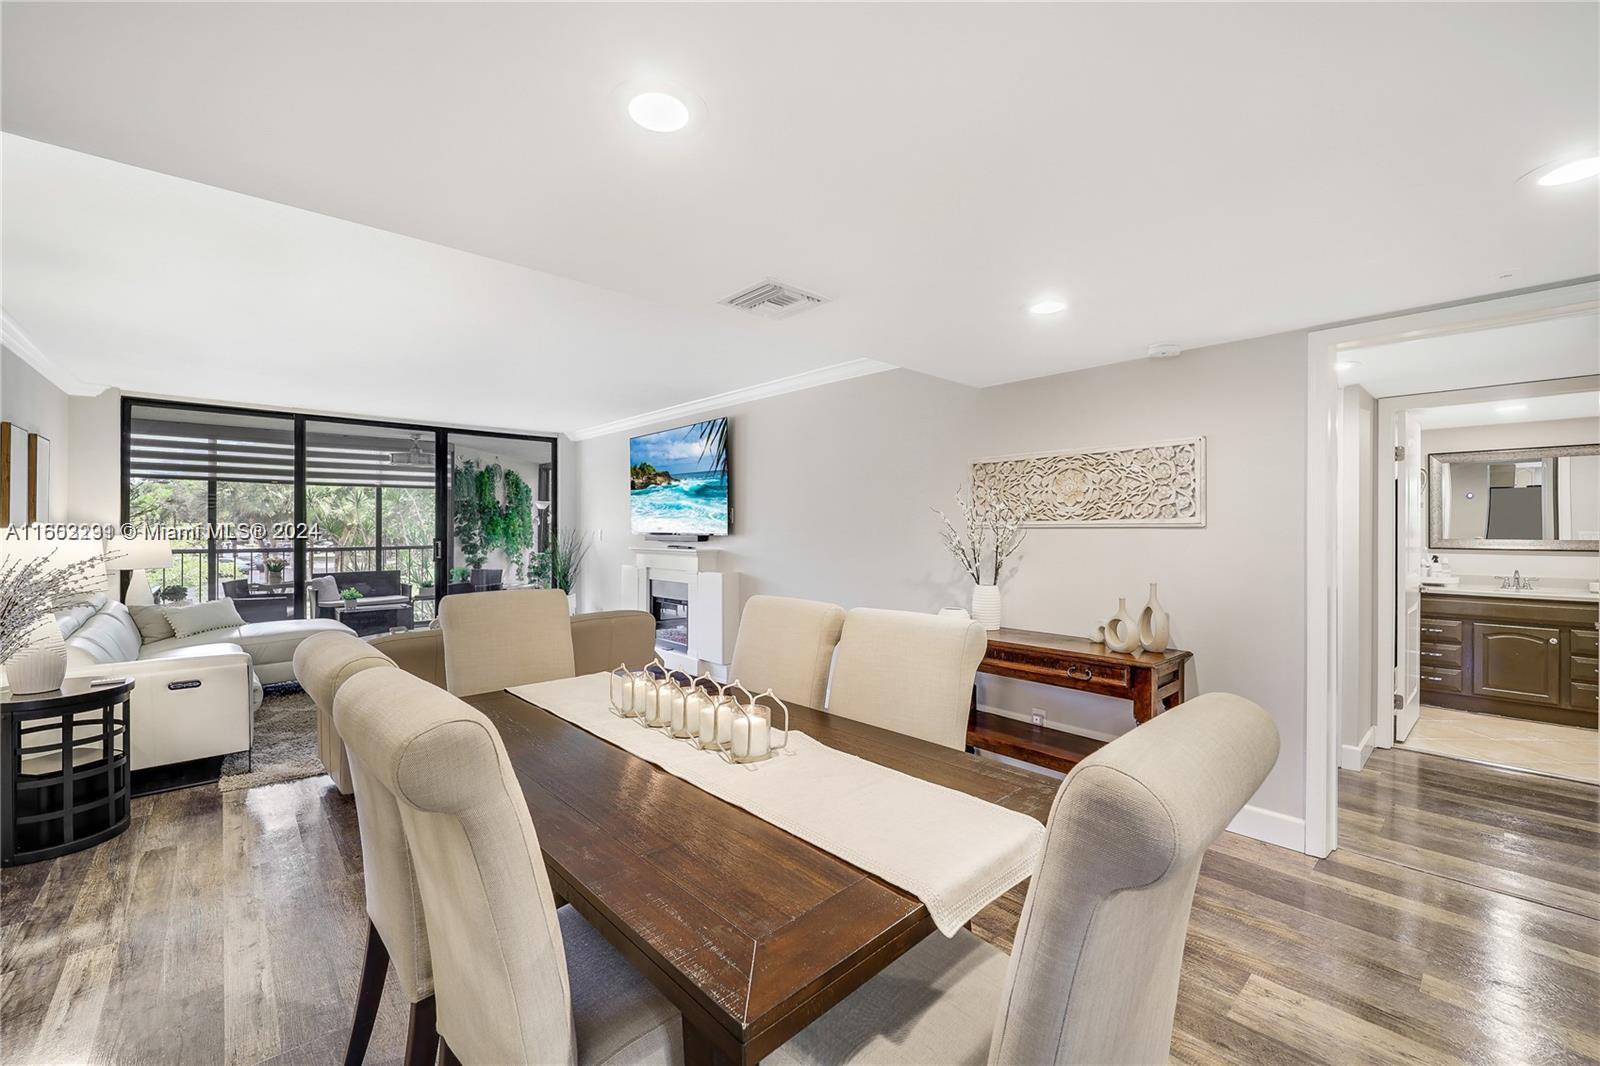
(1098, 634)
(986, 605)
(1122, 632)
(572, 603)
(1155, 625)
(274, 577)
(39, 667)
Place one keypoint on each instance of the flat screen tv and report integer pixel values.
(679, 480)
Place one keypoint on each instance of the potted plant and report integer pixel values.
(172, 594)
(274, 568)
(990, 534)
(349, 595)
(558, 565)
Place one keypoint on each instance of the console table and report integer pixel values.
(1151, 680)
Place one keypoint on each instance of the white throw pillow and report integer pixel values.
(152, 622)
(203, 617)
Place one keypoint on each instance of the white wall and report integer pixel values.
(832, 490)
(1358, 619)
(28, 399)
(1564, 566)
(95, 423)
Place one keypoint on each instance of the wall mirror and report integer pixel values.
(1522, 499)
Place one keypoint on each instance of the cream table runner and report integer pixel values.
(954, 852)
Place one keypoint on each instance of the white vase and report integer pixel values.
(39, 667)
(1155, 625)
(1122, 632)
(986, 605)
(572, 603)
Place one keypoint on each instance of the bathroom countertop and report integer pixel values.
(1551, 592)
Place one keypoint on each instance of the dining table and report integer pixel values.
(751, 932)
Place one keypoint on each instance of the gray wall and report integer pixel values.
(832, 489)
(29, 400)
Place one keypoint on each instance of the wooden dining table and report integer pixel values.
(752, 933)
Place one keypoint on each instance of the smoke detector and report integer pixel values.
(773, 299)
(1164, 351)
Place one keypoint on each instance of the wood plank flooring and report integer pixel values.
(1458, 922)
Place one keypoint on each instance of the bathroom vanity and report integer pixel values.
(1523, 654)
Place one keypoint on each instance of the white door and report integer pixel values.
(1411, 529)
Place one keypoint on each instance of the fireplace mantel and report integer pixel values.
(713, 601)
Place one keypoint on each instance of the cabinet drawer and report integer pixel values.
(1441, 679)
(1583, 669)
(1585, 697)
(1440, 655)
(1584, 642)
(1441, 630)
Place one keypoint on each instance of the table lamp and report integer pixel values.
(136, 555)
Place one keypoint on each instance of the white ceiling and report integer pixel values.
(1544, 350)
(1183, 173)
(1500, 412)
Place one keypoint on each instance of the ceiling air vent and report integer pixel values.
(773, 299)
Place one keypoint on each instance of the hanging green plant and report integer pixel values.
(483, 523)
(467, 515)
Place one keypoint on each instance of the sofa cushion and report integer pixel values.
(108, 636)
(324, 590)
(152, 622)
(203, 618)
(71, 618)
(266, 642)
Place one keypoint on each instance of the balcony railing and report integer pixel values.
(190, 578)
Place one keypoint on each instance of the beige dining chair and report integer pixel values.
(516, 980)
(494, 640)
(908, 672)
(1093, 975)
(787, 645)
(324, 664)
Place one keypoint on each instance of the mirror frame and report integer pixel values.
(1436, 465)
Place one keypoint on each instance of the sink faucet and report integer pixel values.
(1516, 584)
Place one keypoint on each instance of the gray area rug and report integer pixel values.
(285, 742)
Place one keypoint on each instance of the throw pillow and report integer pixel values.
(203, 617)
(152, 622)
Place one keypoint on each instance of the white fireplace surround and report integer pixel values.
(713, 602)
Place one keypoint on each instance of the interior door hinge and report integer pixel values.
(1399, 702)
(1399, 453)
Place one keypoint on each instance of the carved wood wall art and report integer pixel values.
(1158, 484)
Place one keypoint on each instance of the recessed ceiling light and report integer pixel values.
(1510, 408)
(1567, 173)
(1047, 307)
(1346, 364)
(659, 112)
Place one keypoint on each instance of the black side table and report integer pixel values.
(64, 772)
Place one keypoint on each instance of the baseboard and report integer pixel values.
(1270, 827)
(1355, 756)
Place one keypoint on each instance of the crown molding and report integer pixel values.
(810, 379)
(12, 337)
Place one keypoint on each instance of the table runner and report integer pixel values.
(954, 852)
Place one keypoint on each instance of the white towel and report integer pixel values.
(954, 852)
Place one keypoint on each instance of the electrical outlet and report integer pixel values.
(1038, 718)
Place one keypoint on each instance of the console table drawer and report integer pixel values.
(1440, 655)
(1441, 630)
(1024, 663)
(1441, 678)
(1586, 642)
(1583, 669)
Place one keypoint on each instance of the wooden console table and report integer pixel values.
(1151, 680)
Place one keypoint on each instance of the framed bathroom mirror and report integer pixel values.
(1519, 499)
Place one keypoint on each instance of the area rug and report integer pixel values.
(285, 742)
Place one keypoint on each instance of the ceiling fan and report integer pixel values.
(415, 455)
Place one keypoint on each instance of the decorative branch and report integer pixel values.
(32, 590)
(991, 533)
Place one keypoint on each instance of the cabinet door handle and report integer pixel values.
(1435, 654)
(1555, 640)
(1436, 680)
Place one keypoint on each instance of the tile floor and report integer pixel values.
(1560, 750)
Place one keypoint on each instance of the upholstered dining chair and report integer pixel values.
(1093, 974)
(324, 664)
(516, 980)
(908, 672)
(321, 664)
(494, 640)
(787, 645)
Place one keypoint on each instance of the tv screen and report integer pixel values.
(679, 480)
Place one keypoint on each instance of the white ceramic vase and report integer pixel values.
(1122, 631)
(39, 667)
(986, 605)
(1155, 625)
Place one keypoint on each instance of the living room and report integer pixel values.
(1029, 328)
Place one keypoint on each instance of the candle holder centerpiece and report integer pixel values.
(634, 693)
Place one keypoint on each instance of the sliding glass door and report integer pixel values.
(294, 516)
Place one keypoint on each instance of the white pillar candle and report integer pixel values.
(678, 712)
(708, 724)
(751, 737)
(725, 716)
(622, 691)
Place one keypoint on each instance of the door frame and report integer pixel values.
(1329, 519)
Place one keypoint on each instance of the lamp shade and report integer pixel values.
(138, 553)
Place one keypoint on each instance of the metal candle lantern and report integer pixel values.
(627, 691)
(683, 720)
(656, 700)
(713, 717)
(752, 737)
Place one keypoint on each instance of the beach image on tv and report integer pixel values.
(679, 480)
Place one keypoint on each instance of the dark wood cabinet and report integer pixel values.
(1524, 657)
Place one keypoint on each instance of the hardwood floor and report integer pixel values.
(1459, 921)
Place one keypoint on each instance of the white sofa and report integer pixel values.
(194, 696)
